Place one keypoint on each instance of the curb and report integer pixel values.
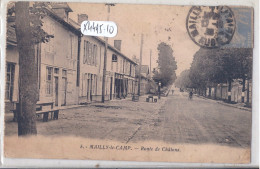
(226, 104)
(238, 107)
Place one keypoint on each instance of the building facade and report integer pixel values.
(120, 71)
(145, 83)
(56, 61)
(70, 66)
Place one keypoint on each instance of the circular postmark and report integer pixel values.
(210, 26)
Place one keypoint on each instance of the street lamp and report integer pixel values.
(159, 90)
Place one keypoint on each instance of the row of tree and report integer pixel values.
(211, 67)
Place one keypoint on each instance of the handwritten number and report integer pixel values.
(111, 30)
(98, 28)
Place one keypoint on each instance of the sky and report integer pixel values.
(158, 23)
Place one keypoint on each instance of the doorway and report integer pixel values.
(111, 85)
(63, 91)
(56, 81)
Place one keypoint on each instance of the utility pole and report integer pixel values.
(150, 60)
(105, 58)
(247, 94)
(140, 66)
(159, 90)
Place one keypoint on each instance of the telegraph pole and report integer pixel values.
(150, 60)
(140, 66)
(105, 58)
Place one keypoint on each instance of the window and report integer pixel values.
(56, 71)
(130, 72)
(9, 81)
(71, 47)
(116, 66)
(123, 69)
(121, 66)
(114, 58)
(50, 45)
(126, 67)
(86, 52)
(64, 73)
(90, 53)
(112, 66)
(94, 55)
(49, 78)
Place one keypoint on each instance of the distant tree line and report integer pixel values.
(211, 67)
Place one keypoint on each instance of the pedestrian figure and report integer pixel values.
(172, 92)
(190, 95)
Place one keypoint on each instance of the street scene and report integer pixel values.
(173, 119)
(182, 78)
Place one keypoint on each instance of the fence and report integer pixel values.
(236, 92)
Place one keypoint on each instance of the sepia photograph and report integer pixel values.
(128, 82)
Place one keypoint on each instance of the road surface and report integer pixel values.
(174, 119)
(199, 121)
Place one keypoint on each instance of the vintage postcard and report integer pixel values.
(128, 82)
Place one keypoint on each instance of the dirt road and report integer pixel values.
(199, 121)
(174, 119)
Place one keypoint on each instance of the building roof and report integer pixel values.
(11, 36)
(58, 5)
(62, 21)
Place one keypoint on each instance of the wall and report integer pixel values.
(236, 92)
(60, 53)
(88, 70)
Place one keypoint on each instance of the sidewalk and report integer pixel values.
(237, 105)
(141, 99)
(9, 116)
(119, 119)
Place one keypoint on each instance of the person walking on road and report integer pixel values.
(172, 91)
(190, 95)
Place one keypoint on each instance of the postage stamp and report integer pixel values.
(128, 82)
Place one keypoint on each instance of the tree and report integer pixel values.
(28, 33)
(244, 58)
(199, 70)
(27, 71)
(236, 64)
(183, 81)
(165, 72)
(214, 66)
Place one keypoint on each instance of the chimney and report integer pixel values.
(117, 44)
(82, 17)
